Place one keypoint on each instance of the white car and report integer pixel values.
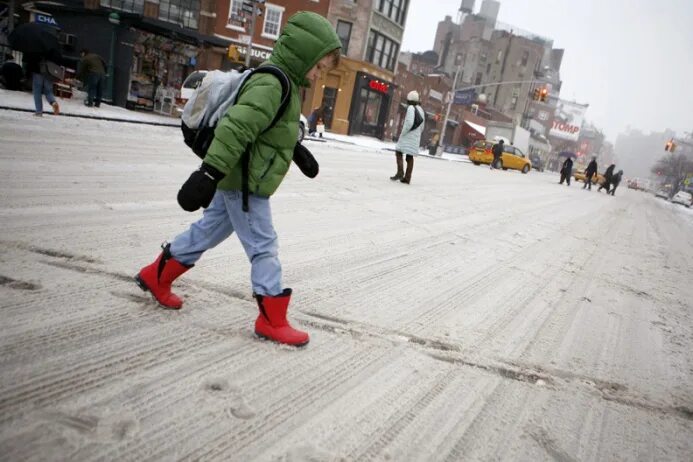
(683, 198)
(302, 127)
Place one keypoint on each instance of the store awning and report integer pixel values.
(177, 32)
(479, 128)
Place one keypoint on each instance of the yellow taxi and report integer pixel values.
(579, 175)
(512, 157)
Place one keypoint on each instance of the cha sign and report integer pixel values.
(567, 120)
(45, 19)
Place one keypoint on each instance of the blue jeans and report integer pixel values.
(254, 229)
(42, 86)
(94, 88)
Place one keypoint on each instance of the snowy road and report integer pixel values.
(473, 315)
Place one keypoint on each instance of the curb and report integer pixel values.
(84, 116)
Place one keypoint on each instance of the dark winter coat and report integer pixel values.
(91, 63)
(497, 150)
(591, 168)
(305, 40)
(609, 174)
(616, 179)
(567, 169)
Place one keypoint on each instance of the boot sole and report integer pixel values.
(142, 285)
(297, 345)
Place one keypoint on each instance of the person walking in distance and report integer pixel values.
(615, 181)
(92, 71)
(41, 82)
(608, 177)
(307, 47)
(590, 171)
(566, 171)
(409, 138)
(497, 151)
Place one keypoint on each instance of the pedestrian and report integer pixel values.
(409, 138)
(11, 74)
(566, 171)
(320, 127)
(608, 177)
(590, 171)
(307, 47)
(41, 82)
(497, 151)
(615, 181)
(313, 121)
(433, 144)
(91, 70)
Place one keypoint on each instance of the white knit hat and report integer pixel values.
(413, 96)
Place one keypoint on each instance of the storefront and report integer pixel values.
(159, 66)
(353, 99)
(370, 106)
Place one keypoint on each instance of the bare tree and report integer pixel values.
(674, 168)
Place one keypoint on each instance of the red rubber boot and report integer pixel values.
(272, 324)
(158, 277)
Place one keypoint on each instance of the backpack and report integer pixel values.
(209, 103)
(418, 120)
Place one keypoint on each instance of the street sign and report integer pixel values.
(244, 38)
(465, 97)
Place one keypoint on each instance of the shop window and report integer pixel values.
(133, 6)
(183, 12)
(273, 21)
(382, 51)
(344, 32)
(396, 10)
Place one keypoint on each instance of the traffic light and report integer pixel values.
(670, 146)
(233, 53)
(537, 94)
(544, 95)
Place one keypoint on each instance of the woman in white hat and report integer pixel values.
(409, 138)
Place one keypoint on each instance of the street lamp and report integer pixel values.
(114, 19)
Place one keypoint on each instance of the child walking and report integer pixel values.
(307, 47)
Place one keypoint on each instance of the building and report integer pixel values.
(233, 25)
(486, 51)
(356, 97)
(149, 46)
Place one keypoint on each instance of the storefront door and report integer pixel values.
(368, 113)
(329, 99)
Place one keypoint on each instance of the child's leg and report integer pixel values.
(256, 232)
(204, 234)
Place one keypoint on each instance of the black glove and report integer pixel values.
(305, 161)
(199, 190)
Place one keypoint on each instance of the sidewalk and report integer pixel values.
(74, 107)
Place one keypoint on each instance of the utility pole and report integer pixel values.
(10, 17)
(253, 20)
(447, 112)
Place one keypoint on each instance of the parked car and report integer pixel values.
(537, 163)
(662, 194)
(512, 157)
(579, 175)
(302, 127)
(683, 198)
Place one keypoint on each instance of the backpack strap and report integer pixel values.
(286, 97)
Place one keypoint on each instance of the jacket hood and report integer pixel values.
(305, 40)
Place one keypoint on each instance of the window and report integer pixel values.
(396, 10)
(382, 51)
(133, 6)
(273, 21)
(183, 12)
(344, 32)
(235, 16)
(477, 81)
(525, 58)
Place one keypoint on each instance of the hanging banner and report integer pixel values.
(567, 120)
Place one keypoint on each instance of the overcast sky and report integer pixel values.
(631, 60)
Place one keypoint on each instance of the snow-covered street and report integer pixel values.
(471, 315)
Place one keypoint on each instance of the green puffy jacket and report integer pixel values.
(305, 40)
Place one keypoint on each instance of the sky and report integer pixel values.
(630, 60)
